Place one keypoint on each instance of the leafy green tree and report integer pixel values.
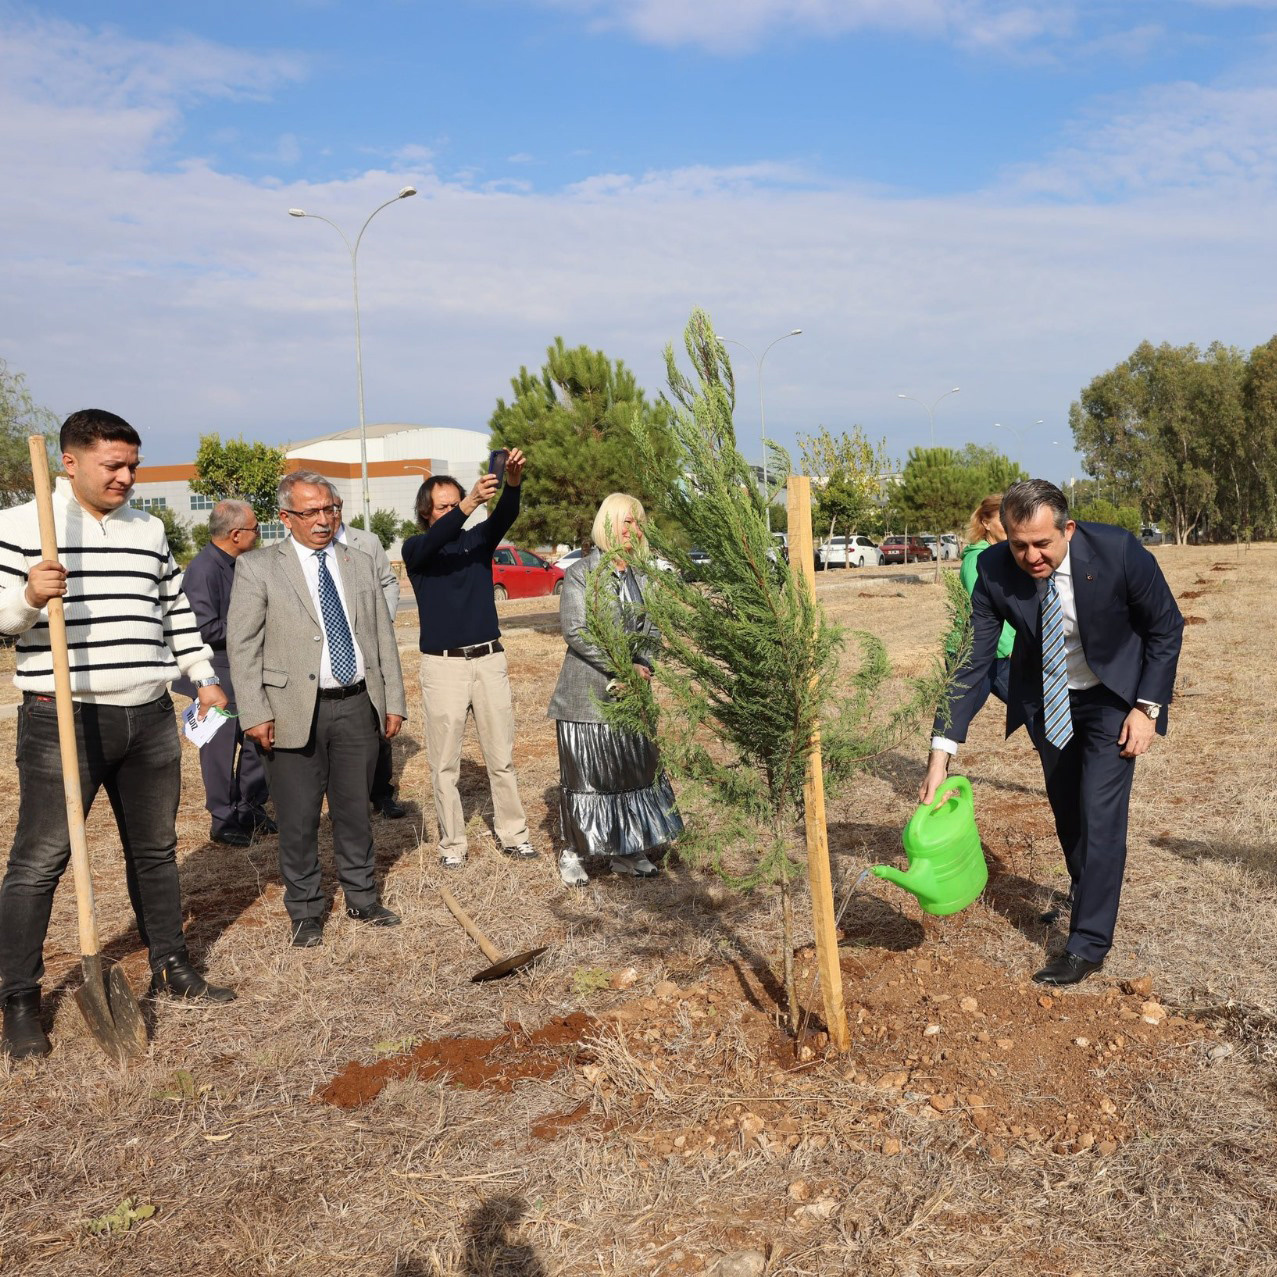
(847, 473)
(237, 469)
(175, 532)
(1159, 428)
(572, 419)
(749, 663)
(200, 536)
(20, 417)
(1247, 498)
(408, 528)
(997, 472)
(385, 526)
(1101, 511)
(936, 492)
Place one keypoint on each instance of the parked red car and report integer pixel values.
(905, 550)
(520, 574)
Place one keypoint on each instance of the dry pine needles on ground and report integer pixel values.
(628, 1106)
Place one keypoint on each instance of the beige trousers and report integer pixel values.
(450, 686)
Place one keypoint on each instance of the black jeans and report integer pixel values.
(134, 752)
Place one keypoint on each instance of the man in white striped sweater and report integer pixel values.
(130, 631)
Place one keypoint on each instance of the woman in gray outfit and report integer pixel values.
(614, 800)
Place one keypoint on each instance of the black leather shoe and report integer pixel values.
(1056, 909)
(180, 980)
(1066, 968)
(308, 933)
(390, 808)
(376, 915)
(263, 824)
(24, 1035)
(231, 837)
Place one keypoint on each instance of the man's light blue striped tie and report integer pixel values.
(341, 647)
(1055, 676)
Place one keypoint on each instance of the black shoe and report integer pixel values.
(264, 825)
(308, 933)
(1055, 910)
(1066, 968)
(389, 808)
(231, 837)
(180, 980)
(24, 1035)
(376, 915)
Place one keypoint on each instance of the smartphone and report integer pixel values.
(496, 463)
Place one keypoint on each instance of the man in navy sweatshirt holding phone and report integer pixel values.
(463, 665)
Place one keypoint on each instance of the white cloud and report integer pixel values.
(188, 300)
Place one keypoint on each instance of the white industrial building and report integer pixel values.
(400, 457)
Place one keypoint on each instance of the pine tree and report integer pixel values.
(571, 420)
(749, 663)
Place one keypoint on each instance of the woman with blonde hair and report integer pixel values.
(983, 530)
(614, 800)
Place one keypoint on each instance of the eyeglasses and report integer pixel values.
(255, 529)
(309, 516)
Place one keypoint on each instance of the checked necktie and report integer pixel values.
(1055, 677)
(341, 647)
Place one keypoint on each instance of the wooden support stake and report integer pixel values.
(819, 876)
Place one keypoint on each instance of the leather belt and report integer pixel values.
(469, 653)
(340, 693)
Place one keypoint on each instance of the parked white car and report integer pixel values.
(567, 560)
(943, 547)
(853, 551)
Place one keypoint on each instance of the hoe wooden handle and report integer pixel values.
(490, 951)
(80, 868)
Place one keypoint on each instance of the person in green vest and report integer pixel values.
(983, 530)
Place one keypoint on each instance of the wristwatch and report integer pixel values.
(1151, 708)
(214, 681)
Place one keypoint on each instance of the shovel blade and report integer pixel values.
(507, 965)
(110, 1010)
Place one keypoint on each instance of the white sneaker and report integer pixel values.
(521, 851)
(452, 859)
(572, 869)
(638, 866)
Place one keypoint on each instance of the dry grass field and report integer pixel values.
(627, 1105)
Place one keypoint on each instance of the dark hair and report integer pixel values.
(83, 429)
(425, 497)
(1024, 499)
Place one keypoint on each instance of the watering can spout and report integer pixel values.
(899, 876)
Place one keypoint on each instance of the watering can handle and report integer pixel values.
(958, 785)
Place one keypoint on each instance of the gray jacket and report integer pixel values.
(585, 674)
(274, 640)
(369, 543)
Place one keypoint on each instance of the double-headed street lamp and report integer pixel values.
(1018, 431)
(931, 410)
(762, 415)
(359, 353)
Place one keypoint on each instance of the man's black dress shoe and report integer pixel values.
(1066, 968)
(180, 980)
(308, 933)
(1056, 909)
(263, 824)
(231, 837)
(376, 915)
(24, 1035)
(390, 808)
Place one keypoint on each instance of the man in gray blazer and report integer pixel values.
(369, 543)
(317, 679)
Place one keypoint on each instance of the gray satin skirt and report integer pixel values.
(614, 800)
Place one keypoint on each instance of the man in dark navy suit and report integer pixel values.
(1098, 637)
(234, 776)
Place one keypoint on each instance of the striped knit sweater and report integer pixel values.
(130, 629)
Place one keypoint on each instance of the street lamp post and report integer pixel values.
(1018, 431)
(359, 352)
(931, 410)
(762, 415)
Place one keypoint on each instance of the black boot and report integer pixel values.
(180, 980)
(23, 1033)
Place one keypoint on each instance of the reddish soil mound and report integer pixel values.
(1194, 620)
(489, 1064)
(1192, 594)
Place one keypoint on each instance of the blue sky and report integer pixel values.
(1006, 195)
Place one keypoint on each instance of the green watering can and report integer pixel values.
(946, 862)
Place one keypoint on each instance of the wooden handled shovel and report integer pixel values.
(107, 1004)
(501, 965)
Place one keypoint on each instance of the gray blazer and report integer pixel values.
(274, 640)
(369, 543)
(585, 674)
